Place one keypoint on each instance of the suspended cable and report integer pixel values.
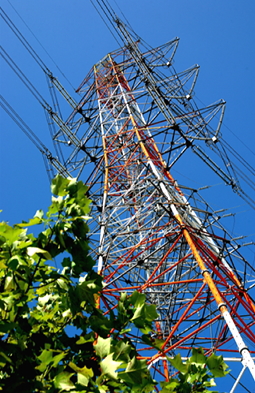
(23, 78)
(134, 35)
(239, 157)
(127, 21)
(224, 125)
(103, 19)
(54, 81)
(24, 42)
(23, 126)
(106, 7)
(246, 178)
(240, 140)
(33, 137)
(27, 45)
(64, 128)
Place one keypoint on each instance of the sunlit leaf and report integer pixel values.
(31, 251)
(103, 346)
(45, 358)
(11, 234)
(217, 366)
(33, 221)
(178, 364)
(198, 356)
(63, 381)
(59, 185)
(109, 366)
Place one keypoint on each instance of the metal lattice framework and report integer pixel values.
(149, 234)
(135, 121)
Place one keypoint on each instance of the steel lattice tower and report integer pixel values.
(134, 122)
(131, 126)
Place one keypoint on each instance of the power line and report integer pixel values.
(103, 19)
(23, 78)
(55, 163)
(22, 125)
(33, 51)
(24, 42)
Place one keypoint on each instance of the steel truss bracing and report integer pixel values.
(131, 126)
(135, 121)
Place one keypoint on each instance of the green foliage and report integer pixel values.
(53, 336)
(196, 374)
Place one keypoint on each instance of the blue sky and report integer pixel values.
(217, 35)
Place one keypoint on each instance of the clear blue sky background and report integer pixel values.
(217, 35)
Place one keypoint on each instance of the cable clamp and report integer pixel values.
(242, 349)
(222, 305)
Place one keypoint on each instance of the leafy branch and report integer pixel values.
(53, 336)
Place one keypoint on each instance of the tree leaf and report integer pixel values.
(217, 366)
(103, 346)
(198, 357)
(59, 185)
(4, 359)
(11, 234)
(178, 364)
(121, 351)
(86, 338)
(170, 386)
(9, 283)
(136, 372)
(84, 370)
(31, 251)
(45, 358)
(82, 380)
(62, 381)
(32, 221)
(109, 366)
(84, 374)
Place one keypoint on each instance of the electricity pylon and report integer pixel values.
(134, 123)
(149, 234)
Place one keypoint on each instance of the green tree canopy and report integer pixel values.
(54, 338)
